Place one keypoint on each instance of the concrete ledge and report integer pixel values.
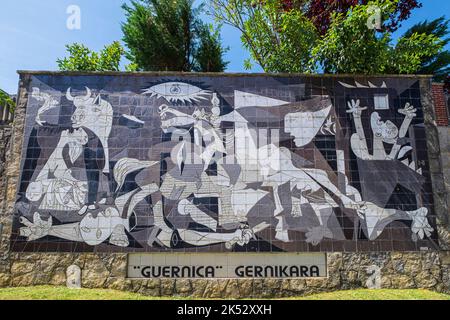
(216, 74)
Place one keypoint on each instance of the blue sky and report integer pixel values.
(34, 33)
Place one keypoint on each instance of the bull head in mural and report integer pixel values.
(95, 114)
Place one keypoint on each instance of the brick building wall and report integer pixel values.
(440, 103)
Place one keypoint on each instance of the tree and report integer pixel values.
(285, 35)
(277, 39)
(6, 101)
(438, 64)
(209, 55)
(321, 11)
(169, 35)
(82, 58)
(349, 46)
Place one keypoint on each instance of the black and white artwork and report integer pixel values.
(222, 164)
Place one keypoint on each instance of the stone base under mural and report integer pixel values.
(428, 270)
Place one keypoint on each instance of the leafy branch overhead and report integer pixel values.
(438, 64)
(332, 36)
(349, 46)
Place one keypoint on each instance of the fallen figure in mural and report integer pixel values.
(108, 222)
(113, 222)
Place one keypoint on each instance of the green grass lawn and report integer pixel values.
(62, 293)
(382, 294)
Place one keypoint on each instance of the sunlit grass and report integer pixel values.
(63, 293)
(381, 294)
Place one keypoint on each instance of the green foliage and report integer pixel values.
(350, 46)
(411, 51)
(169, 35)
(82, 58)
(284, 40)
(278, 40)
(281, 40)
(5, 100)
(438, 64)
(248, 65)
(209, 54)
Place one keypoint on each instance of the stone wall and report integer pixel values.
(5, 138)
(444, 140)
(10, 177)
(346, 270)
(440, 192)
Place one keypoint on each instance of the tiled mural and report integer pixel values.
(223, 163)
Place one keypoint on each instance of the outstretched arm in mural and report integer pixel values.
(168, 237)
(410, 113)
(91, 230)
(374, 217)
(110, 223)
(358, 140)
(40, 228)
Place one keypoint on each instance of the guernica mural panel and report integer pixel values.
(223, 163)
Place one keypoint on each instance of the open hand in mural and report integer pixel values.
(242, 237)
(409, 111)
(420, 225)
(36, 229)
(355, 109)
